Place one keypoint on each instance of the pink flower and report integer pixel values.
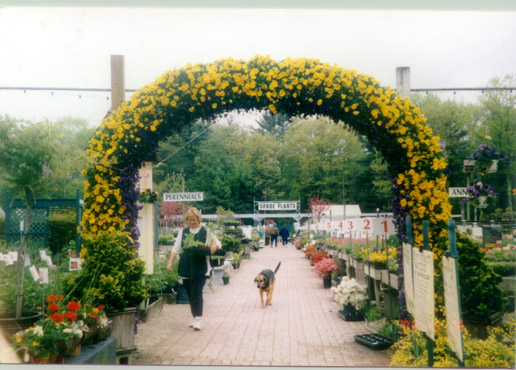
(325, 267)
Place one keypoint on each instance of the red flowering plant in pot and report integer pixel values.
(61, 332)
(325, 267)
(54, 337)
(317, 257)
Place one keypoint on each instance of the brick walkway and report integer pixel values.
(301, 328)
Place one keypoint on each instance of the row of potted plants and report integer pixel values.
(62, 331)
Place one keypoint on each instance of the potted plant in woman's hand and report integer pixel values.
(352, 296)
(324, 268)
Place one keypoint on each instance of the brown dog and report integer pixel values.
(265, 282)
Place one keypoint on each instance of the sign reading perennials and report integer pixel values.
(451, 300)
(183, 197)
(424, 302)
(277, 206)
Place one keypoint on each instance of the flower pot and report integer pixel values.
(10, 325)
(225, 279)
(152, 307)
(327, 282)
(481, 202)
(73, 347)
(374, 341)
(54, 358)
(350, 313)
(123, 324)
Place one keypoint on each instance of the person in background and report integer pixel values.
(194, 261)
(274, 236)
(284, 233)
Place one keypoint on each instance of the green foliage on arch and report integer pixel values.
(393, 125)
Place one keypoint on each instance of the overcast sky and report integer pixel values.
(71, 47)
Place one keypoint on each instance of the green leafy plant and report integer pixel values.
(148, 196)
(371, 313)
(112, 274)
(230, 244)
(162, 280)
(480, 295)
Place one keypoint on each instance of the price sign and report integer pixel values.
(408, 277)
(452, 304)
(424, 303)
(383, 226)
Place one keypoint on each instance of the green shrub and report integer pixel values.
(371, 313)
(230, 244)
(480, 295)
(62, 229)
(162, 280)
(2, 229)
(504, 268)
(390, 330)
(231, 222)
(166, 240)
(111, 273)
(32, 290)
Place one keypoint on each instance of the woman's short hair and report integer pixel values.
(193, 212)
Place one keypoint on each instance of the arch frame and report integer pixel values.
(393, 125)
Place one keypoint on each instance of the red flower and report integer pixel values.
(51, 298)
(57, 317)
(100, 307)
(74, 306)
(53, 307)
(71, 316)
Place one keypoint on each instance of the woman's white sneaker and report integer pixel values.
(197, 323)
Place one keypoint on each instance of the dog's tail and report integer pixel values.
(277, 267)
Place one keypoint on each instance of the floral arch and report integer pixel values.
(393, 125)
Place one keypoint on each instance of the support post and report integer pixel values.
(117, 81)
(403, 81)
(78, 222)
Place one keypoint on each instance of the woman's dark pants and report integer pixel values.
(194, 290)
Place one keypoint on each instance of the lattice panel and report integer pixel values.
(39, 226)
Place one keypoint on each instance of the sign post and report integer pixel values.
(146, 222)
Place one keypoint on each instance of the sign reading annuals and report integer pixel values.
(277, 206)
(183, 197)
(460, 192)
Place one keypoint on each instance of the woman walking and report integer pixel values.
(194, 260)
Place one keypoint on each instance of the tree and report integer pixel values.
(275, 124)
(68, 138)
(319, 157)
(318, 206)
(456, 124)
(169, 213)
(25, 161)
(499, 124)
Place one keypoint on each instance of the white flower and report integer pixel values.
(38, 330)
(104, 322)
(350, 292)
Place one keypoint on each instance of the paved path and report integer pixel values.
(301, 328)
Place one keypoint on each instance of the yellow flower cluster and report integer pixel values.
(292, 86)
(381, 257)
